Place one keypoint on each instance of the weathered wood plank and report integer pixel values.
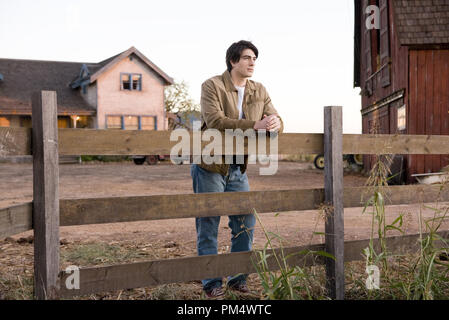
(121, 209)
(104, 142)
(444, 102)
(154, 273)
(420, 107)
(437, 113)
(125, 209)
(333, 200)
(395, 144)
(15, 141)
(16, 219)
(133, 142)
(412, 109)
(45, 194)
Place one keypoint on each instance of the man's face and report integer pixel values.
(245, 67)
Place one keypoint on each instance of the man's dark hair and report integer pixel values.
(235, 51)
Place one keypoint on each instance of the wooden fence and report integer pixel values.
(47, 212)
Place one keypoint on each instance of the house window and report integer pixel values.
(82, 122)
(137, 80)
(114, 122)
(25, 121)
(148, 123)
(131, 81)
(63, 122)
(126, 81)
(131, 122)
(4, 122)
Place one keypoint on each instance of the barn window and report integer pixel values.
(384, 44)
(367, 53)
(377, 39)
(148, 123)
(401, 118)
(114, 122)
(131, 81)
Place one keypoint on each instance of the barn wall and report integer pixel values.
(383, 119)
(398, 66)
(428, 104)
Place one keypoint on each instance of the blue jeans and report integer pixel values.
(242, 226)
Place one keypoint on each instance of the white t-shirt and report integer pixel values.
(241, 91)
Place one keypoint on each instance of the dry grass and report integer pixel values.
(16, 274)
(16, 270)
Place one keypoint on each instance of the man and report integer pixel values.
(231, 101)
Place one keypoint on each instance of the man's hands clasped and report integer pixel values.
(270, 123)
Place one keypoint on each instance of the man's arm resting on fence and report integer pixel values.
(269, 110)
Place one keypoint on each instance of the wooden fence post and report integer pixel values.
(45, 194)
(333, 195)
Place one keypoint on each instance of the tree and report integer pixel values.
(179, 103)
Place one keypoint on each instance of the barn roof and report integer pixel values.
(422, 22)
(418, 23)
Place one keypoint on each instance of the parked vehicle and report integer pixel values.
(174, 121)
(154, 159)
(350, 158)
(150, 159)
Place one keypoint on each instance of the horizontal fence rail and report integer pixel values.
(16, 219)
(154, 273)
(73, 212)
(17, 141)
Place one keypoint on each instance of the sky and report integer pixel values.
(305, 47)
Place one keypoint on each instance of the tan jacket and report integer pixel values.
(219, 99)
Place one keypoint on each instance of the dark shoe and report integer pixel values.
(240, 287)
(216, 293)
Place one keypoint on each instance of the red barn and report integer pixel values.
(402, 68)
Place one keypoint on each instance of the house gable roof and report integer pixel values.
(422, 22)
(111, 62)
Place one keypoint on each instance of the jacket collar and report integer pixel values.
(230, 86)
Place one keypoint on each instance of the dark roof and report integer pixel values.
(23, 77)
(422, 22)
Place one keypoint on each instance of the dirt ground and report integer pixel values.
(126, 179)
(101, 244)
